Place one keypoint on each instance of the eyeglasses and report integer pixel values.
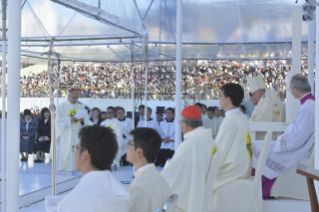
(77, 147)
(130, 144)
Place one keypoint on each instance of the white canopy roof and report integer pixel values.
(229, 29)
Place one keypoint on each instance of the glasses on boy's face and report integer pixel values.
(130, 144)
(77, 147)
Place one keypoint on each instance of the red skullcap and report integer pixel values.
(191, 112)
(73, 89)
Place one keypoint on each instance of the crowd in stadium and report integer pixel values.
(198, 82)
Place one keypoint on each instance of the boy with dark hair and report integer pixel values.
(212, 122)
(98, 189)
(233, 141)
(113, 123)
(167, 132)
(149, 190)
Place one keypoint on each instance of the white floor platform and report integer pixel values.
(35, 184)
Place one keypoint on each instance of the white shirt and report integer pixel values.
(97, 191)
(145, 167)
(27, 127)
(46, 120)
(235, 110)
(166, 129)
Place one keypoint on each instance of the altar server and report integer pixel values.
(151, 123)
(212, 122)
(297, 141)
(167, 132)
(67, 128)
(234, 144)
(114, 124)
(269, 107)
(98, 190)
(186, 173)
(126, 124)
(149, 190)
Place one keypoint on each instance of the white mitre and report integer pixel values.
(256, 83)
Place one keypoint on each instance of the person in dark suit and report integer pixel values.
(44, 135)
(141, 110)
(96, 116)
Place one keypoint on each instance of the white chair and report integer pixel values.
(292, 185)
(210, 179)
(169, 205)
(227, 198)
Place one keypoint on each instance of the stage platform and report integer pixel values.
(35, 184)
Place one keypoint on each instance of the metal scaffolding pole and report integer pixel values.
(14, 50)
(52, 109)
(132, 85)
(4, 132)
(311, 54)
(146, 72)
(316, 148)
(178, 100)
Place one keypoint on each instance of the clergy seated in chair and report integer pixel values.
(98, 190)
(113, 123)
(167, 132)
(149, 190)
(233, 141)
(269, 107)
(297, 141)
(186, 173)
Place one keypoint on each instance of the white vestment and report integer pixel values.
(234, 145)
(167, 130)
(295, 144)
(148, 191)
(268, 109)
(152, 123)
(98, 191)
(126, 125)
(66, 133)
(186, 173)
(115, 125)
(212, 124)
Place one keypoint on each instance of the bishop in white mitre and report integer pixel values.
(115, 125)
(186, 173)
(234, 145)
(126, 124)
(269, 107)
(67, 128)
(151, 123)
(297, 141)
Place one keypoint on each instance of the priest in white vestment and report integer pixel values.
(269, 107)
(234, 145)
(297, 141)
(212, 122)
(113, 123)
(151, 123)
(126, 124)
(186, 173)
(67, 127)
(167, 132)
(149, 190)
(98, 190)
